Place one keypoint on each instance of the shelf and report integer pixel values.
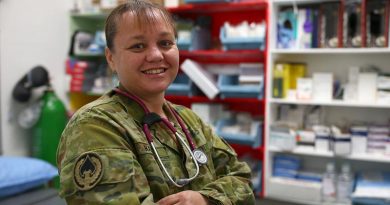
(203, 99)
(361, 157)
(332, 51)
(338, 103)
(220, 56)
(252, 105)
(292, 190)
(210, 55)
(220, 7)
(289, 2)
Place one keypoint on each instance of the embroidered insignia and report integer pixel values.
(87, 171)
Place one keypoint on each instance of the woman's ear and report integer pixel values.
(109, 58)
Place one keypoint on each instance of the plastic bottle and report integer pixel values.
(329, 184)
(344, 185)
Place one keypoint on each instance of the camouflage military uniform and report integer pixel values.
(104, 158)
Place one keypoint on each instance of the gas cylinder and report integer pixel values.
(48, 129)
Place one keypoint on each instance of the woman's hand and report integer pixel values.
(184, 198)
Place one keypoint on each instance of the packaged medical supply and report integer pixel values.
(342, 144)
(323, 141)
(359, 139)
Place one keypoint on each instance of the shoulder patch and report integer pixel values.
(88, 171)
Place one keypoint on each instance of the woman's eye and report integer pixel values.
(166, 43)
(137, 47)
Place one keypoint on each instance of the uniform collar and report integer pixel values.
(136, 111)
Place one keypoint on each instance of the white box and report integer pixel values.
(322, 86)
(282, 140)
(342, 144)
(208, 112)
(203, 79)
(367, 87)
(322, 144)
(353, 74)
(294, 190)
(358, 144)
(351, 92)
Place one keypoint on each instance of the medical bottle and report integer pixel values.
(344, 185)
(329, 184)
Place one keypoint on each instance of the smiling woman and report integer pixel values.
(145, 53)
(132, 146)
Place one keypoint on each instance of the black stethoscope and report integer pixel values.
(198, 156)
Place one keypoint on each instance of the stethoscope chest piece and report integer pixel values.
(200, 156)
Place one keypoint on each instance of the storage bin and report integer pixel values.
(182, 85)
(183, 45)
(230, 88)
(253, 139)
(371, 188)
(240, 43)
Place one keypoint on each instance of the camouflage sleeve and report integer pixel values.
(97, 165)
(233, 185)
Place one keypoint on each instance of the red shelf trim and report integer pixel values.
(216, 100)
(221, 53)
(220, 7)
(215, 56)
(255, 152)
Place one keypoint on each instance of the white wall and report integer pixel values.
(31, 33)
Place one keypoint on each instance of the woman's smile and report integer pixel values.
(154, 71)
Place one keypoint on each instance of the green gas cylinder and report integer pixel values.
(48, 129)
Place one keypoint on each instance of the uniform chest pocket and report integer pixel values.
(146, 155)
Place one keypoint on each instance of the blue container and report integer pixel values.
(256, 177)
(238, 138)
(229, 88)
(307, 176)
(287, 162)
(240, 43)
(183, 45)
(287, 173)
(182, 85)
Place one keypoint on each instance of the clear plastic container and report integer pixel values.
(329, 184)
(344, 185)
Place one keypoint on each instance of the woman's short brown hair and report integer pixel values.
(145, 12)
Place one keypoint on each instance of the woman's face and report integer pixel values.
(145, 57)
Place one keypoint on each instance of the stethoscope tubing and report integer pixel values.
(149, 137)
(165, 121)
(184, 128)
